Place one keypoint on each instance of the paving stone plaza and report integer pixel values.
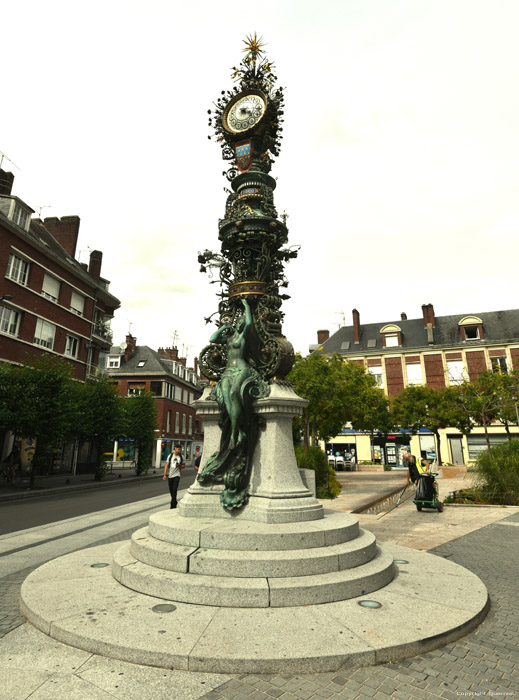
(483, 663)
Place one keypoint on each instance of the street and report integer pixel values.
(41, 510)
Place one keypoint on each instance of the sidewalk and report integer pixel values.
(62, 483)
(484, 662)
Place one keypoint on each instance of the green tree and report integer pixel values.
(373, 414)
(496, 474)
(99, 417)
(38, 403)
(480, 401)
(424, 407)
(335, 389)
(506, 386)
(316, 459)
(141, 423)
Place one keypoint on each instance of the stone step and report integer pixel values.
(170, 526)
(253, 563)
(248, 592)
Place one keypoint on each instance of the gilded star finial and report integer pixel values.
(254, 45)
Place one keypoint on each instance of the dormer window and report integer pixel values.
(20, 216)
(391, 336)
(471, 328)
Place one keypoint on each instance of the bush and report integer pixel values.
(496, 474)
(314, 458)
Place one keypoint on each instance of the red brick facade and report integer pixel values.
(434, 372)
(394, 376)
(44, 253)
(476, 363)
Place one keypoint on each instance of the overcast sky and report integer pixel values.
(399, 168)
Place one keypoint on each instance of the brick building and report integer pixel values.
(49, 302)
(175, 386)
(436, 351)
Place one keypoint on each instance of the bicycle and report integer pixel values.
(8, 473)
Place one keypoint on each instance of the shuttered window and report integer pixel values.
(50, 287)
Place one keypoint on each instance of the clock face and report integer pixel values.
(245, 113)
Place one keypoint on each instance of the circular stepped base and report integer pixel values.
(254, 592)
(244, 564)
(430, 602)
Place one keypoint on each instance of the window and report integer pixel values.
(77, 303)
(392, 340)
(141, 363)
(376, 371)
(190, 428)
(455, 372)
(183, 424)
(478, 444)
(50, 287)
(414, 374)
(9, 320)
(178, 393)
(44, 333)
(20, 217)
(114, 362)
(72, 346)
(197, 426)
(168, 423)
(472, 333)
(156, 388)
(136, 388)
(18, 269)
(191, 397)
(177, 422)
(498, 364)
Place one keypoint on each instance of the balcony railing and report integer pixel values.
(102, 330)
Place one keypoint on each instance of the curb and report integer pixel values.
(380, 499)
(34, 493)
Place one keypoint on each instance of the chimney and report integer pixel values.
(428, 315)
(65, 231)
(356, 326)
(196, 366)
(94, 268)
(131, 342)
(169, 353)
(183, 361)
(6, 182)
(403, 316)
(322, 337)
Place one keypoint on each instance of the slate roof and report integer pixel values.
(155, 363)
(44, 240)
(498, 327)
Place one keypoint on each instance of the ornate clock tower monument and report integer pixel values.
(259, 578)
(248, 357)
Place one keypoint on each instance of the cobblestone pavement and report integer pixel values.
(482, 664)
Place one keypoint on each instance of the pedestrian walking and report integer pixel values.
(174, 463)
